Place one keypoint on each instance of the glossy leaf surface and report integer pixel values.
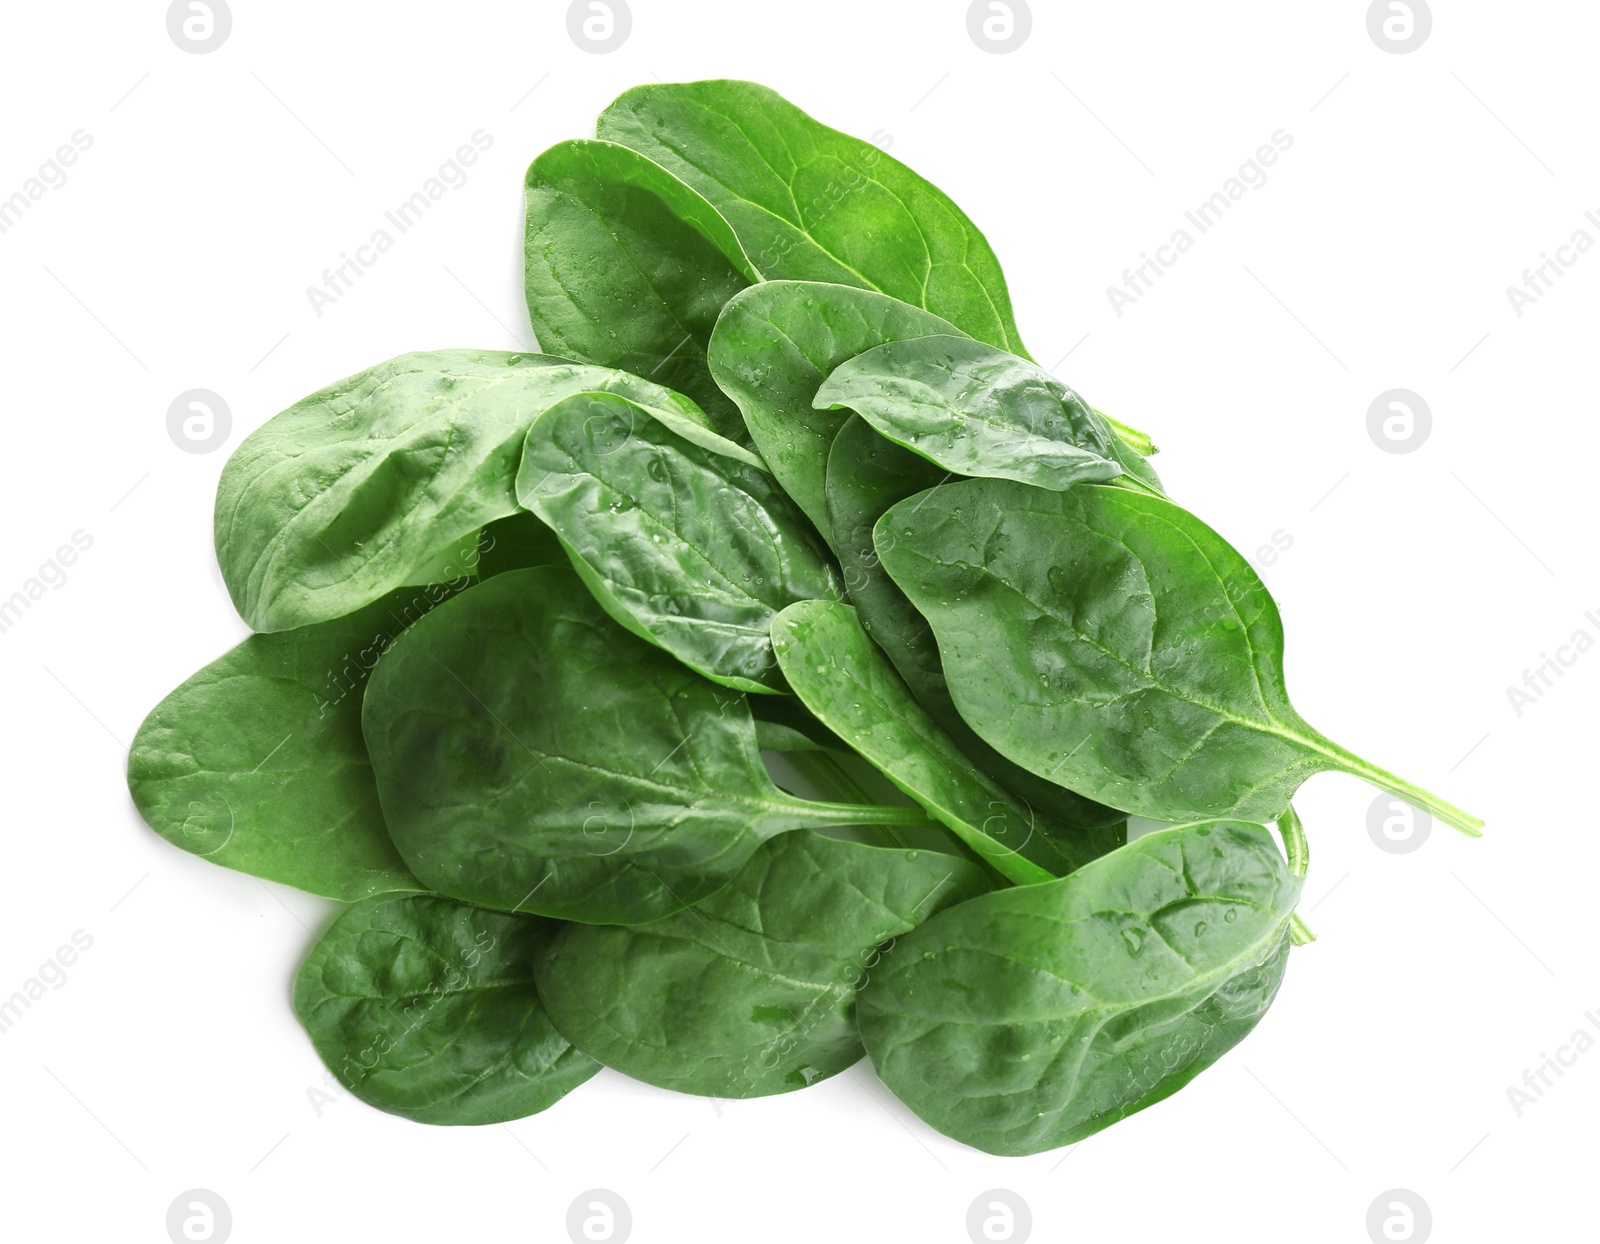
(809, 203)
(1111, 641)
(753, 991)
(848, 683)
(1030, 1018)
(627, 267)
(772, 350)
(532, 755)
(346, 494)
(425, 1007)
(866, 475)
(974, 410)
(690, 545)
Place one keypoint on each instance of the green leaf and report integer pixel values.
(425, 1007)
(627, 267)
(692, 546)
(257, 761)
(520, 542)
(534, 756)
(346, 494)
(843, 678)
(772, 350)
(1111, 641)
(809, 203)
(752, 991)
(783, 724)
(866, 475)
(975, 410)
(1030, 1018)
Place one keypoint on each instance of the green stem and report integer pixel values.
(1295, 845)
(1298, 850)
(1003, 860)
(1451, 815)
(867, 814)
(1134, 484)
(827, 772)
(1132, 437)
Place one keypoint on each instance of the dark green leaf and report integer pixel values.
(1030, 1018)
(809, 203)
(425, 1007)
(843, 678)
(627, 267)
(772, 350)
(752, 991)
(520, 542)
(1111, 641)
(783, 724)
(534, 756)
(348, 493)
(975, 410)
(688, 543)
(866, 475)
(257, 761)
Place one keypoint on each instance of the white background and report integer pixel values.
(1417, 588)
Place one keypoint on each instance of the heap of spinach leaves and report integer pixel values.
(763, 677)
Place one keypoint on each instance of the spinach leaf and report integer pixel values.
(519, 542)
(346, 494)
(975, 410)
(425, 1007)
(809, 203)
(1111, 641)
(532, 755)
(783, 724)
(257, 761)
(751, 991)
(628, 267)
(843, 678)
(772, 350)
(866, 475)
(644, 681)
(1033, 1017)
(700, 547)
